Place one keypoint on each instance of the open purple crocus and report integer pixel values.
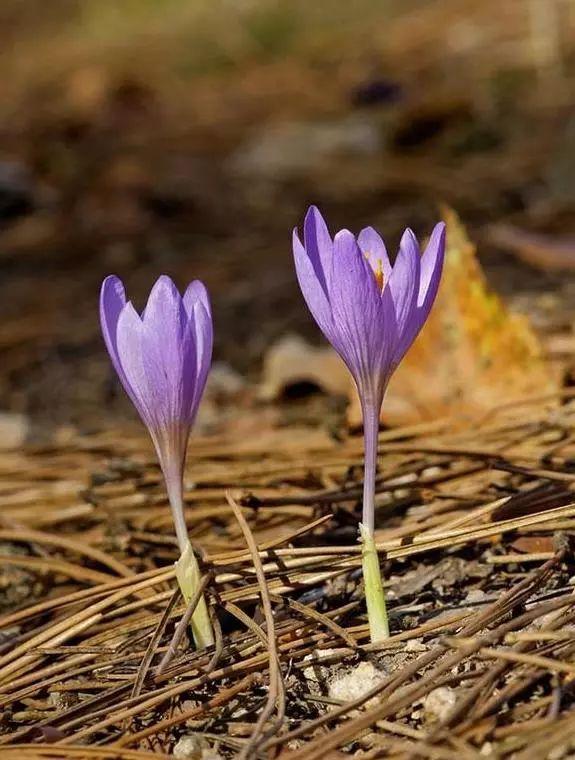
(371, 313)
(162, 358)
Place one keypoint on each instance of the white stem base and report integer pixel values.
(188, 575)
(374, 594)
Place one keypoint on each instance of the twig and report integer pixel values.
(154, 641)
(183, 624)
(276, 688)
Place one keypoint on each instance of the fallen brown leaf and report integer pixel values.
(531, 544)
(292, 360)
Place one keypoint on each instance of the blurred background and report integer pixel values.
(188, 137)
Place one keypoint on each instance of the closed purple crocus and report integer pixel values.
(162, 358)
(370, 311)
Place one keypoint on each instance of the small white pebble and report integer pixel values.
(355, 683)
(317, 671)
(415, 645)
(475, 595)
(189, 747)
(439, 703)
(558, 753)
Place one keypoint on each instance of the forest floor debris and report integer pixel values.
(496, 634)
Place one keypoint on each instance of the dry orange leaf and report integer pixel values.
(473, 354)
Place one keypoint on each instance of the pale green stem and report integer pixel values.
(187, 568)
(188, 575)
(374, 594)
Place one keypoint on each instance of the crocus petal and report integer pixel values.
(165, 353)
(165, 311)
(198, 307)
(404, 287)
(358, 313)
(196, 291)
(431, 268)
(372, 246)
(129, 339)
(312, 289)
(204, 341)
(112, 302)
(318, 245)
(389, 319)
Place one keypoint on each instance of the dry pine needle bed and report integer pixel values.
(474, 531)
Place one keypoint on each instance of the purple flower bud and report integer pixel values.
(162, 359)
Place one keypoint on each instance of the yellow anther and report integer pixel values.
(378, 272)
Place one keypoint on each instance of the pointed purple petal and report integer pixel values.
(184, 408)
(112, 302)
(312, 289)
(431, 268)
(358, 313)
(389, 319)
(165, 322)
(198, 308)
(159, 390)
(196, 291)
(404, 287)
(129, 336)
(201, 323)
(319, 246)
(164, 309)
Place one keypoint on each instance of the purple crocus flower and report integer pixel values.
(370, 311)
(162, 359)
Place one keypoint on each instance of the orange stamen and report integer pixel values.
(379, 278)
(378, 272)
